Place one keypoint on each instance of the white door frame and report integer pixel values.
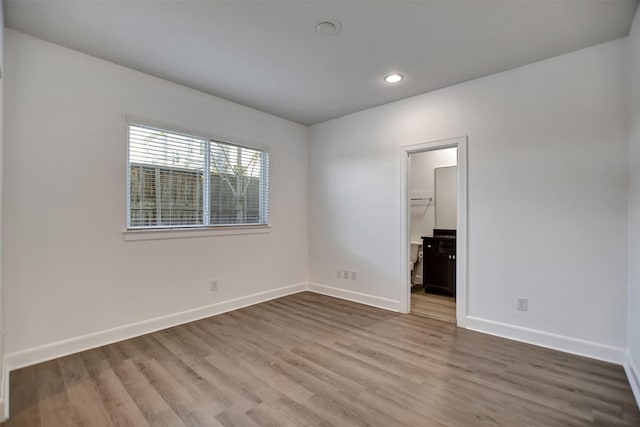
(405, 222)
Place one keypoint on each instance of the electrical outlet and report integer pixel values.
(339, 274)
(345, 274)
(214, 285)
(522, 304)
(354, 275)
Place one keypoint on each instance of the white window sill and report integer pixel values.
(183, 233)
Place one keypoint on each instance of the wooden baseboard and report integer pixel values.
(563, 343)
(633, 375)
(4, 391)
(374, 301)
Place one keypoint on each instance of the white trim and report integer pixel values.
(372, 300)
(182, 233)
(593, 350)
(633, 375)
(4, 387)
(461, 232)
(65, 347)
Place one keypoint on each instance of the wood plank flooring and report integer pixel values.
(312, 360)
(438, 307)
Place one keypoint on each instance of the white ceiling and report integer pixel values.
(266, 54)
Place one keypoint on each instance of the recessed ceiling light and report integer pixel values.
(393, 78)
(329, 27)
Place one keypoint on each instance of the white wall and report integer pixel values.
(634, 200)
(69, 272)
(2, 397)
(547, 193)
(421, 185)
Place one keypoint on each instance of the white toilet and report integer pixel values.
(416, 262)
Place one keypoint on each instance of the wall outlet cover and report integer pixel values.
(522, 304)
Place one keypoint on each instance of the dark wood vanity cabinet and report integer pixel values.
(439, 263)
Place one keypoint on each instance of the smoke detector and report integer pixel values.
(329, 27)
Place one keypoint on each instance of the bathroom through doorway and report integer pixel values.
(433, 213)
(435, 193)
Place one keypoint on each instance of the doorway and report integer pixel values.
(434, 218)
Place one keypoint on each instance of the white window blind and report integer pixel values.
(177, 180)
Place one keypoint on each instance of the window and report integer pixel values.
(177, 180)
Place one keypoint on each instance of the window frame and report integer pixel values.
(194, 230)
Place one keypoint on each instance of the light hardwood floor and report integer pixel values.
(438, 307)
(313, 360)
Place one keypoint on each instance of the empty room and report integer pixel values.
(320, 213)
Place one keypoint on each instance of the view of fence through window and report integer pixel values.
(168, 185)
